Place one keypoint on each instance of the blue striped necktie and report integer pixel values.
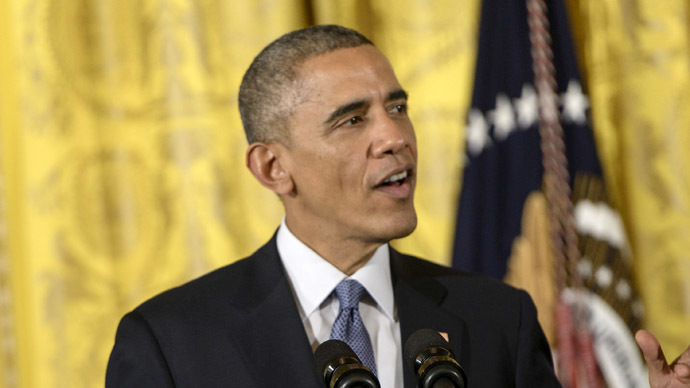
(348, 326)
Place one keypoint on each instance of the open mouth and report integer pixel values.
(399, 185)
(396, 179)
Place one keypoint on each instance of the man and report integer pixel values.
(328, 132)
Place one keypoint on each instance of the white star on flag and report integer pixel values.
(527, 107)
(477, 133)
(503, 117)
(575, 103)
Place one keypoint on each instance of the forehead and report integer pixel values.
(342, 75)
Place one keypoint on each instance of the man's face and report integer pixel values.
(352, 152)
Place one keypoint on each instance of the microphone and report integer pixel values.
(339, 367)
(433, 362)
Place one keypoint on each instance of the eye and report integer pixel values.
(399, 108)
(353, 120)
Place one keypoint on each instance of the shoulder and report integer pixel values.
(502, 341)
(415, 270)
(228, 287)
(478, 298)
(188, 332)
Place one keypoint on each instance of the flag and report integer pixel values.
(504, 227)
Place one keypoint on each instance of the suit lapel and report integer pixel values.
(272, 335)
(419, 298)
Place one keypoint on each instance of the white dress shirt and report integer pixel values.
(313, 280)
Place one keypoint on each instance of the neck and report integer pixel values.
(347, 254)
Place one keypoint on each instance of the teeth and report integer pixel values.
(396, 177)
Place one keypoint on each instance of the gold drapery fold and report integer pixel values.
(636, 60)
(123, 166)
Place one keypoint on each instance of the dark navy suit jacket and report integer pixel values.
(239, 327)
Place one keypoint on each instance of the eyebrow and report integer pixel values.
(354, 105)
(397, 95)
(345, 109)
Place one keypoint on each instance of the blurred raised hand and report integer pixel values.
(661, 373)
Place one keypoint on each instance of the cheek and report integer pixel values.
(340, 183)
(342, 175)
(334, 169)
(322, 175)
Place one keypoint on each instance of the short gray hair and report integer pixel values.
(272, 75)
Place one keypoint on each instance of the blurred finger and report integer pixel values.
(651, 350)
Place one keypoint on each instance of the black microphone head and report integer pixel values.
(432, 360)
(338, 366)
(422, 339)
(329, 351)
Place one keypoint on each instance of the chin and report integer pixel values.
(399, 227)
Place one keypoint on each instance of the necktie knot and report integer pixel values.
(349, 293)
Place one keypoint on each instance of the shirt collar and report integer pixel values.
(313, 278)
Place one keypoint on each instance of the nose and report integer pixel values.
(390, 137)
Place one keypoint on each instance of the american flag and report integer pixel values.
(504, 194)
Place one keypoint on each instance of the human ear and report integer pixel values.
(264, 162)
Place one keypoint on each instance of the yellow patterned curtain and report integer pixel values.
(122, 154)
(122, 167)
(636, 59)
